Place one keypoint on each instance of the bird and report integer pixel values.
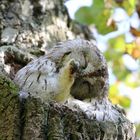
(67, 67)
(74, 73)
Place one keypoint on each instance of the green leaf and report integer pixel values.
(124, 101)
(116, 98)
(129, 6)
(114, 55)
(132, 81)
(118, 44)
(84, 15)
(96, 14)
(138, 130)
(132, 3)
(120, 71)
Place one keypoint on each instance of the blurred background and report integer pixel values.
(115, 24)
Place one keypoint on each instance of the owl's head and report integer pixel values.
(92, 74)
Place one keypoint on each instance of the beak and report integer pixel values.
(74, 66)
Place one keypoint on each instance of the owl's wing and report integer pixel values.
(34, 70)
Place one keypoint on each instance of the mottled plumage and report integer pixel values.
(41, 79)
(74, 68)
(49, 75)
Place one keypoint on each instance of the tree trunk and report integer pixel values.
(28, 30)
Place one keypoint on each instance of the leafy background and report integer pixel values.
(123, 75)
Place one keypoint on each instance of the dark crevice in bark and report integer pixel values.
(47, 123)
(22, 118)
(120, 134)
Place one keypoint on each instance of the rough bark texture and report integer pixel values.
(9, 109)
(28, 29)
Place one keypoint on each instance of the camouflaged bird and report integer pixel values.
(73, 67)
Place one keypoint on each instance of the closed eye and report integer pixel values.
(86, 61)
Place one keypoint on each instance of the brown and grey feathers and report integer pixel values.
(66, 69)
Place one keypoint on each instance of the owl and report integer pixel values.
(74, 68)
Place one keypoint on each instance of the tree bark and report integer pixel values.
(28, 30)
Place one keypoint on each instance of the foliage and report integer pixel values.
(118, 98)
(138, 130)
(94, 14)
(98, 15)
